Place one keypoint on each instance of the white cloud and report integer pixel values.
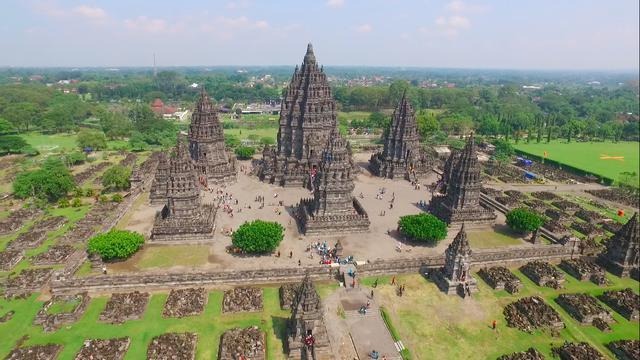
(90, 12)
(237, 5)
(364, 28)
(143, 23)
(48, 8)
(451, 25)
(335, 3)
(458, 6)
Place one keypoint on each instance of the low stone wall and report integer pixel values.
(157, 281)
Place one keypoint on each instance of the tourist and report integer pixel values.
(368, 304)
(393, 280)
(290, 254)
(299, 262)
(372, 292)
(493, 324)
(278, 255)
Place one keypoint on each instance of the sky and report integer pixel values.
(499, 34)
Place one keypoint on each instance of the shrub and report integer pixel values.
(116, 178)
(51, 182)
(63, 203)
(524, 220)
(13, 144)
(103, 198)
(115, 244)
(76, 202)
(89, 192)
(244, 152)
(75, 158)
(117, 198)
(258, 236)
(423, 227)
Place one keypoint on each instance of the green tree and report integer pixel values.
(6, 127)
(524, 220)
(12, 144)
(115, 244)
(423, 227)
(115, 125)
(244, 152)
(91, 139)
(258, 236)
(116, 178)
(503, 151)
(51, 182)
(21, 115)
(137, 143)
(427, 124)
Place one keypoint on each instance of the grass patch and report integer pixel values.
(394, 333)
(501, 237)
(60, 307)
(587, 155)
(168, 256)
(243, 134)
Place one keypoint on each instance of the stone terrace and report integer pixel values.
(242, 299)
(583, 269)
(27, 281)
(246, 344)
(530, 354)
(112, 349)
(53, 321)
(10, 258)
(57, 254)
(185, 302)
(173, 346)
(543, 274)
(584, 308)
(125, 306)
(625, 349)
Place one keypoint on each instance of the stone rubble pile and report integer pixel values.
(57, 254)
(246, 344)
(173, 346)
(89, 172)
(185, 302)
(625, 302)
(577, 351)
(35, 352)
(625, 349)
(16, 219)
(288, 294)
(530, 313)
(10, 258)
(583, 269)
(530, 354)
(27, 281)
(584, 308)
(545, 195)
(500, 278)
(619, 195)
(53, 321)
(543, 274)
(242, 299)
(103, 349)
(125, 306)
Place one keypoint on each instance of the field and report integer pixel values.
(590, 156)
(436, 326)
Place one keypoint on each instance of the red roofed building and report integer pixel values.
(158, 107)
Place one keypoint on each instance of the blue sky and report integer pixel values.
(515, 34)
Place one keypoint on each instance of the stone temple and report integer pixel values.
(333, 209)
(183, 217)
(455, 277)
(307, 336)
(458, 199)
(158, 192)
(402, 156)
(307, 117)
(622, 254)
(213, 164)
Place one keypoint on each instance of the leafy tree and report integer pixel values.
(115, 125)
(427, 124)
(6, 127)
(116, 178)
(91, 139)
(258, 236)
(137, 143)
(524, 220)
(51, 182)
(12, 144)
(503, 151)
(117, 198)
(21, 115)
(115, 244)
(423, 227)
(244, 152)
(74, 158)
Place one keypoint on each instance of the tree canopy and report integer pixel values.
(51, 182)
(115, 244)
(258, 236)
(524, 220)
(423, 227)
(116, 178)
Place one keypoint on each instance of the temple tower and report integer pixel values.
(455, 276)
(213, 164)
(333, 209)
(461, 184)
(402, 154)
(183, 217)
(307, 117)
(307, 337)
(158, 192)
(622, 254)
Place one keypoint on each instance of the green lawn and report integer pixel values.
(501, 237)
(209, 326)
(168, 256)
(244, 133)
(433, 325)
(587, 155)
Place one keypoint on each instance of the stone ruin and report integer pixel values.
(27, 281)
(584, 308)
(89, 172)
(28, 240)
(583, 269)
(173, 346)
(622, 254)
(566, 205)
(242, 299)
(625, 349)
(587, 229)
(455, 277)
(622, 195)
(57, 254)
(288, 294)
(577, 351)
(158, 192)
(589, 216)
(53, 321)
(500, 278)
(248, 343)
(508, 201)
(112, 349)
(543, 274)
(545, 195)
(557, 215)
(16, 219)
(307, 336)
(625, 302)
(611, 225)
(402, 155)
(35, 352)
(185, 302)
(10, 258)
(530, 313)
(125, 306)
(536, 205)
(530, 354)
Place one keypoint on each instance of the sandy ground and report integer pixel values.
(375, 244)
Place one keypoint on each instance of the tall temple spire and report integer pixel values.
(461, 182)
(307, 117)
(455, 276)
(402, 154)
(622, 254)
